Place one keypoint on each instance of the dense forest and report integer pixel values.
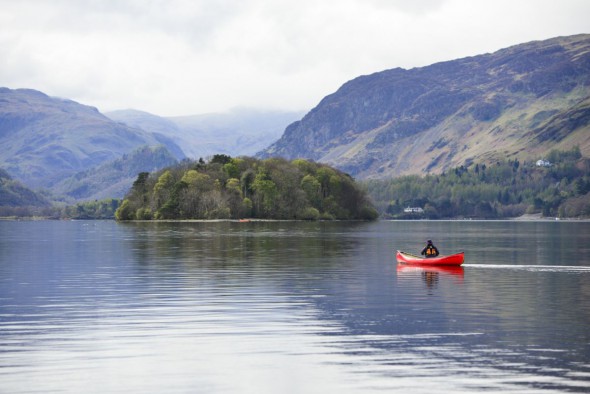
(556, 187)
(233, 188)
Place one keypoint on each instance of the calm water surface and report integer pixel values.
(290, 307)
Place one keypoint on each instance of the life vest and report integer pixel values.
(431, 251)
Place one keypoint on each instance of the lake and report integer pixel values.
(293, 307)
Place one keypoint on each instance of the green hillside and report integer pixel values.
(16, 199)
(113, 179)
(556, 187)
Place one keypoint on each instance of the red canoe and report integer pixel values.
(407, 258)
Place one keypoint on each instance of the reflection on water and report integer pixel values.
(266, 307)
(430, 275)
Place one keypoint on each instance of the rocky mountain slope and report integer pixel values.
(240, 132)
(44, 140)
(520, 102)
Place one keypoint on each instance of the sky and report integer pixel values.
(184, 57)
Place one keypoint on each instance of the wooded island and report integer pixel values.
(245, 187)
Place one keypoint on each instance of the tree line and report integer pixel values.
(504, 189)
(18, 201)
(88, 210)
(245, 187)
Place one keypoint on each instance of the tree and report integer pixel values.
(266, 193)
(246, 180)
(125, 212)
(221, 159)
(313, 189)
(161, 192)
(234, 197)
(139, 184)
(231, 170)
(191, 199)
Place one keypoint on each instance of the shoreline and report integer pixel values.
(522, 218)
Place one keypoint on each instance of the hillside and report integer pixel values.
(240, 132)
(518, 102)
(114, 178)
(558, 187)
(14, 194)
(44, 140)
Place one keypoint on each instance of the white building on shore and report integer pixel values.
(413, 210)
(543, 163)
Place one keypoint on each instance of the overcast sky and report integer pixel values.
(181, 57)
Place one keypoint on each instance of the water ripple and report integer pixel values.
(531, 268)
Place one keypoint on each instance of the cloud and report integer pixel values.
(420, 7)
(180, 57)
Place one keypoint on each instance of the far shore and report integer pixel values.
(534, 217)
(537, 217)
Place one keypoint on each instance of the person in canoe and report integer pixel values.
(429, 250)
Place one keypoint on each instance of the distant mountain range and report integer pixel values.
(76, 152)
(44, 140)
(517, 102)
(240, 132)
(113, 179)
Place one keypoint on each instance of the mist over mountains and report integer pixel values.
(239, 132)
(520, 102)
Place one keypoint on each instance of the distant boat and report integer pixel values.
(408, 258)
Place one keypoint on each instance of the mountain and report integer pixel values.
(520, 102)
(114, 178)
(14, 194)
(239, 132)
(145, 121)
(44, 140)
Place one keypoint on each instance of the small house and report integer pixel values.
(413, 210)
(543, 163)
